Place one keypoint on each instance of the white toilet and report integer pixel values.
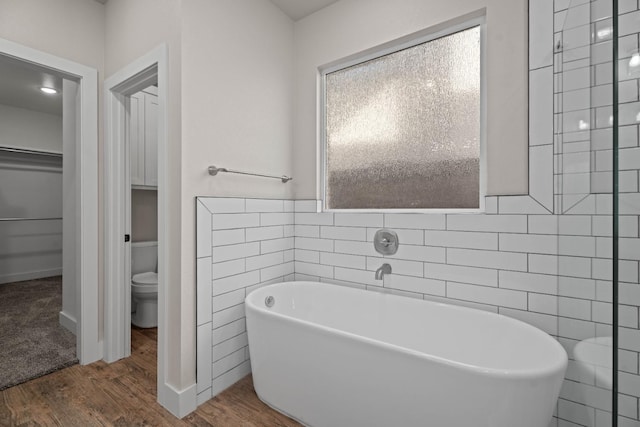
(144, 284)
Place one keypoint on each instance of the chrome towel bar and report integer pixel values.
(213, 171)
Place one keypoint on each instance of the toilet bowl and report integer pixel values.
(144, 295)
(144, 284)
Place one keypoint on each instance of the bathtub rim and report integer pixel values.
(557, 367)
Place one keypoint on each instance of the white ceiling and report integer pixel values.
(20, 86)
(295, 9)
(20, 83)
(298, 9)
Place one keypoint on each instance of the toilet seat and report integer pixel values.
(148, 278)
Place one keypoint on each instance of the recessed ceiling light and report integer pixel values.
(48, 90)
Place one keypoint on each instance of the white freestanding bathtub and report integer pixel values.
(333, 356)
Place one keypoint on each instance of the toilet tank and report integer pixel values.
(144, 257)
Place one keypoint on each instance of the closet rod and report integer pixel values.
(28, 219)
(27, 151)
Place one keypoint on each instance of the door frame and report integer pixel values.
(135, 76)
(88, 343)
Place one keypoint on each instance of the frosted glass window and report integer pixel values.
(403, 130)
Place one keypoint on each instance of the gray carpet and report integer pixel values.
(32, 341)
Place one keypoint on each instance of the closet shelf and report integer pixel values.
(29, 219)
(30, 152)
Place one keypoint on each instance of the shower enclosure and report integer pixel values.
(596, 71)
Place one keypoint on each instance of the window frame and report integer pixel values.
(411, 40)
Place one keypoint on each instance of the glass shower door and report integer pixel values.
(584, 178)
(626, 202)
(597, 187)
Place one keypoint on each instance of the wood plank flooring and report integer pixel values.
(124, 394)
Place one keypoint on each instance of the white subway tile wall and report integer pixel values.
(544, 258)
(241, 244)
(509, 267)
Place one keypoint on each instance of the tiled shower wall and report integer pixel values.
(583, 186)
(543, 258)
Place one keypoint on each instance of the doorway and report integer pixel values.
(146, 71)
(37, 319)
(79, 210)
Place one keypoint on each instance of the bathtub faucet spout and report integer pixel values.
(384, 269)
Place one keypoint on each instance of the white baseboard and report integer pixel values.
(179, 403)
(29, 275)
(68, 321)
(93, 353)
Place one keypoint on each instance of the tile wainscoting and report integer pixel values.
(516, 264)
(241, 244)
